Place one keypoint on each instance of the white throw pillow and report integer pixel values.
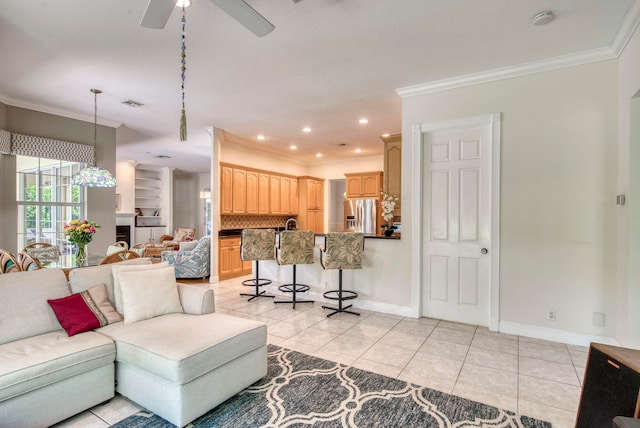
(119, 267)
(148, 294)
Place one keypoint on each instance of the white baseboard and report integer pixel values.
(403, 311)
(553, 335)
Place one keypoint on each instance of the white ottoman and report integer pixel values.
(180, 366)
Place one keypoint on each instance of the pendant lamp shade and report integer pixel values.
(94, 176)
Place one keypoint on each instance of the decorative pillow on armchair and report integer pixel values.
(184, 234)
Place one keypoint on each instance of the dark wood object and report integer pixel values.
(611, 386)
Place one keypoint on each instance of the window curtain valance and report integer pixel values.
(29, 145)
(5, 142)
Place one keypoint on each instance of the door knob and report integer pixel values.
(484, 251)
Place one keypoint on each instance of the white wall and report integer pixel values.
(337, 168)
(240, 154)
(628, 252)
(558, 217)
(186, 201)
(126, 176)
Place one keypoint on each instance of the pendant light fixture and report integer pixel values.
(94, 176)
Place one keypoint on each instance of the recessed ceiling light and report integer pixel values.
(543, 18)
(358, 150)
(306, 129)
(261, 137)
(318, 155)
(185, 3)
(293, 147)
(385, 135)
(363, 121)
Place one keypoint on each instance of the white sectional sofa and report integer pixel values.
(178, 361)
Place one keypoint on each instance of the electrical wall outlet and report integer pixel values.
(551, 315)
(598, 319)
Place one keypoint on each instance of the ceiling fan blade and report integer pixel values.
(246, 15)
(157, 13)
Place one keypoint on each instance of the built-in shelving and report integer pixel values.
(150, 199)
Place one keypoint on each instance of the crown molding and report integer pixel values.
(629, 25)
(57, 112)
(507, 72)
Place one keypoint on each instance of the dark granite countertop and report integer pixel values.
(229, 233)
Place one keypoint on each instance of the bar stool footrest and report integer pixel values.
(256, 282)
(294, 288)
(340, 295)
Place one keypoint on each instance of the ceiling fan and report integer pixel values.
(158, 12)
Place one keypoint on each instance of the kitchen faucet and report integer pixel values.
(289, 220)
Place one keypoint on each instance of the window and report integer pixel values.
(47, 200)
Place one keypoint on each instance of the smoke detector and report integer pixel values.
(543, 18)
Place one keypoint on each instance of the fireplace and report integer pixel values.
(125, 224)
(123, 233)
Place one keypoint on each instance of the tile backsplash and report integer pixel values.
(251, 221)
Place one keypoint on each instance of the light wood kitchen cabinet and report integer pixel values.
(229, 263)
(364, 184)
(311, 204)
(314, 221)
(252, 183)
(285, 201)
(233, 190)
(239, 191)
(226, 190)
(263, 193)
(393, 168)
(293, 196)
(314, 194)
(274, 194)
(255, 192)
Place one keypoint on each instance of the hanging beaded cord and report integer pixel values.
(183, 68)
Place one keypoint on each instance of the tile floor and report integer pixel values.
(532, 377)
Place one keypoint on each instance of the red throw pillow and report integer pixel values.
(77, 313)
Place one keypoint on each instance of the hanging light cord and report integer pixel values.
(183, 55)
(95, 124)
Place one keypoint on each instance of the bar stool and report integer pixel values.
(294, 248)
(256, 245)
(341, 251)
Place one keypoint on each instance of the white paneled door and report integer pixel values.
(456, 283)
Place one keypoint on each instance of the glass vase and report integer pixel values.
(81, 254)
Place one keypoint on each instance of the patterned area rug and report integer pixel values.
(301, 390)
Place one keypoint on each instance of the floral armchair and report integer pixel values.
(191, 263)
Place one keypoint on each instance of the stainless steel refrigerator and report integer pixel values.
(360, 215)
